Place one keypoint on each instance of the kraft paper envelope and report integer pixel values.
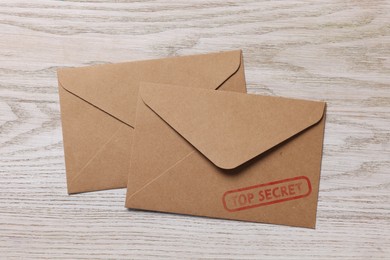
(226, 155)
(98, 105)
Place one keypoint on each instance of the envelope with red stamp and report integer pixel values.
(226, 155)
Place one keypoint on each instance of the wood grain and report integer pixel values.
(337, 51)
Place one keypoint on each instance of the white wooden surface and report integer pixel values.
(337, 51)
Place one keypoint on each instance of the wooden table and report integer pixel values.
(336, 51)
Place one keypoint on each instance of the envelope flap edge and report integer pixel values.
(230, 128)
(113, 88)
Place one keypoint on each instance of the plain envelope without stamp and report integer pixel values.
(98, 105)
(226, 155)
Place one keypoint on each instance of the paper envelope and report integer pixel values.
(226, 155)
(98, 105)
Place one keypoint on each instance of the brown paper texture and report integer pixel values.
(98, 106)
(226, 155)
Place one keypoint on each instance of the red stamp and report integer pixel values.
(266, 194)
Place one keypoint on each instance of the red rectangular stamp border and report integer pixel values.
(267, 184)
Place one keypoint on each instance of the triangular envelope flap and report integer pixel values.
(114, 87)
(230, 128)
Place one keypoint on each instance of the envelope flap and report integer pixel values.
(113, 88)
(230, 128)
